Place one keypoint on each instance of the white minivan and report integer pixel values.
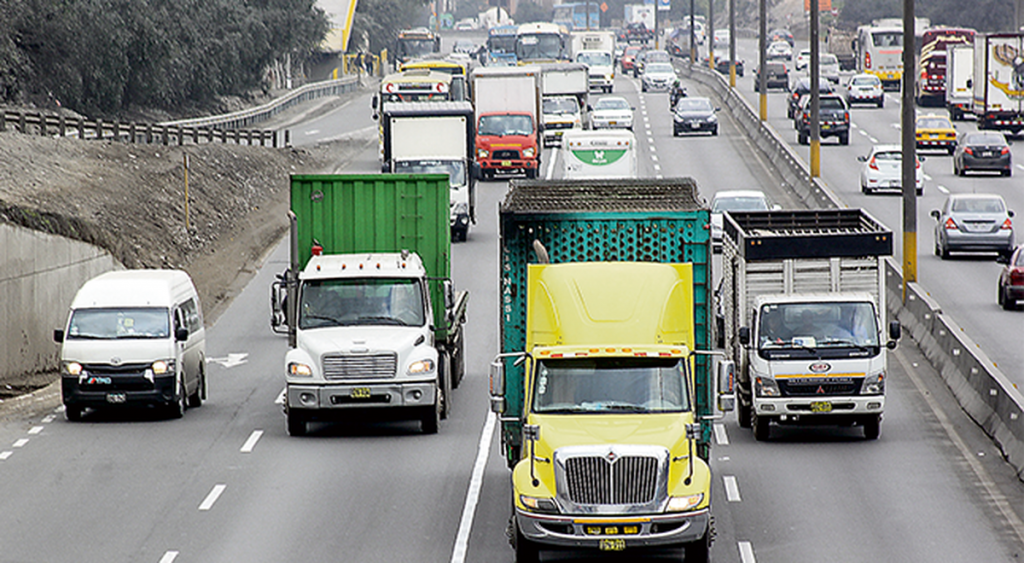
(134, 338)
(604, 153)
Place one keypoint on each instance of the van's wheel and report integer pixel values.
(74, 413)
(762, 427)
(526, 551)
(177, 408)
(872, 427)
(195, 400)
(296, 423)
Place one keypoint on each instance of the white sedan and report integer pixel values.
(611, 112)
(883, 170)
(735, 200)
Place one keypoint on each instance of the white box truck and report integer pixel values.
(999, 81)
(801, 310)
(565, 96)
(596, 49)
(435, 137)
(599, 154)
(959, 79)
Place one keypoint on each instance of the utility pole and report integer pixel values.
(815, 94)
(762, 80)
(693, 38)
(711, 34)
(732, 43)
(909, 142)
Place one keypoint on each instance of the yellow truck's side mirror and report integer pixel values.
(726, 386)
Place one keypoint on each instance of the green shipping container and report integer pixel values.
(600, 221)
(353, 213)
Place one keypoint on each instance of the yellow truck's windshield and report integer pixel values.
(610, 384)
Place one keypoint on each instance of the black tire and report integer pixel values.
(1004, 302)
(74, 413)
(1007, 173)
(531, 173)
(864, 189)
(444, 375)
(872, 427)
(762, 427)
(881, 102)
(802, 138)
(714, 132)
(177, 408)
(844, 139)
(643, 87)
(195, 400)
(296, 423)
(963, 172)
(950, 151)
(943, 252)
(526, 551)
(744, 413)
(698, 551)
(458, 363)
(430, 420)
(459, 234)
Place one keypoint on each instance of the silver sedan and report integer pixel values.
(973, 223)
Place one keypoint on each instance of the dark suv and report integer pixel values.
(801, 87)
(833, 118)
(776, 75)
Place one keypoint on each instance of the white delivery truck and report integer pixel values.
(565, 96)
(959, 78)
(596, 49)
(802, 314)
(599, 154)
(434, 137)
(999, 81)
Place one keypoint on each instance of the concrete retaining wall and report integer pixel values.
(984, 391)
(39, 276)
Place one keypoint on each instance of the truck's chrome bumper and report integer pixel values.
(591, 531)
(819, 406)
(359, 395)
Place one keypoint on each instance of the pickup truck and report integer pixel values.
(833, 119)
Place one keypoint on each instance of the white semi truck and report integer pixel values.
(998, 82)
(564, 99)
(449, 128)
(802, 314)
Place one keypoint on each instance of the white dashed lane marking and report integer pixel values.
(211, 498)
(746, 552)
(721, 435)
(249, 444)
(169, 557)
(732, 490)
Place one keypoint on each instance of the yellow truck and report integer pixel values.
(602, 409)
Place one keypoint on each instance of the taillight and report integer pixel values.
(1005, 150)
(969, 151)
(1017, 276)
(1007, 225)
(867, 60)
(917, 163)
(950, 224)
(846, 116)
(873, 165)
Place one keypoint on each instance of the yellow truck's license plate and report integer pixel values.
(360, 393)
(612, 545)
(821, 406)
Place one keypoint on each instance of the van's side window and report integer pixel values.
(193, 319)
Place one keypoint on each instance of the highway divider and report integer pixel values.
(982, 389)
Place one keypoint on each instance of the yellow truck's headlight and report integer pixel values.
(539, 504)
(682, 504)
(422, 366)
(529, 152)
(296, 369)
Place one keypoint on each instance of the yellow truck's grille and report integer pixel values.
(611, 480)
(352, 366)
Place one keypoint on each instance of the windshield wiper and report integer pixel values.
(385, 320)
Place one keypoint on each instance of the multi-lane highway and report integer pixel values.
(227, 484)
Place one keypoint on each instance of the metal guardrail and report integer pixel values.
(982, 389)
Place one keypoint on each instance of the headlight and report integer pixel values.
(482, 153)
(712, 119)
(73, 368)
(529, 152)
(873, 385)
(296, 369)
(682, 504)
(765, 387)
(161, 367)
(422, 366)
(539, 504)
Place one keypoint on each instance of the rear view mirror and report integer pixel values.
(58, 335)
(726, 385)
(181, 334)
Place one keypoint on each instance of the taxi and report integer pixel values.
(935, 132)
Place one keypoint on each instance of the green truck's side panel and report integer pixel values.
(604, 220)
(352, 213)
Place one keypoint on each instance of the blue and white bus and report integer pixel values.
(573, 15)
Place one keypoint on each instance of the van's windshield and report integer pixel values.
(131, 323)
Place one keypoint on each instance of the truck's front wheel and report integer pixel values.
(526, 550)
(872, 427)
(745, 411)
(296, 424)
(762, 428)
(698, 551)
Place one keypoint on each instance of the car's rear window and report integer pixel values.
(831, 103)
(979, 205)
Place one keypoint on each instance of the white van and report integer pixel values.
(603, 153)
(134, 338)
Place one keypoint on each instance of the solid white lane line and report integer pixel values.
(280, 398)
(551, 165)
(251, 442)
(35, 430)
(721, 435)
(5, 455)
(732, 490)
(746, 552)
(473, 495)
(169, 557)
(20, 443)
(211, 498)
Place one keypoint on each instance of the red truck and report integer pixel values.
(507, 105)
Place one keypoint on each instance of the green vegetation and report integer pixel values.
(101, 57)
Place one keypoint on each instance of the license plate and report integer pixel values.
(612, 545)
(116, 398)
(613, 123)
(986, 154)
(826, 125)
(360, 393)
(506, 163)
(821, 406)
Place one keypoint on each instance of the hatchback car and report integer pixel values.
(776, 75)
(1011, 279)
(781, 35)
(973, 223)
(611, 112)
(657, 77)
(735, 200)
(779, 50)
(646, 57)
(803, 59)
(627, 62)
(803, 86)
(982, 150)
(935, 132)
(828, 67)
(883, 170)
(694, 114)
(864, 89)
